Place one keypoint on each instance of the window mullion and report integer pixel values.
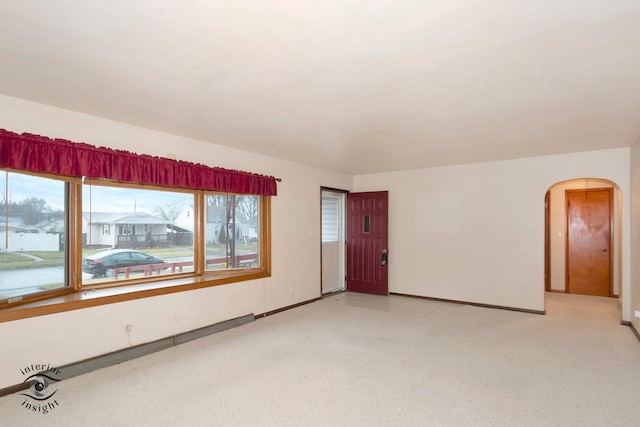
(199, 234)
(73, 238)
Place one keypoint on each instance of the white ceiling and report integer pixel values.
(357, 86)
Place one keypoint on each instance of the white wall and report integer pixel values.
(76, 335)
(476, 232)
(635, 238)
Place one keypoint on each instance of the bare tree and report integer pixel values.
(4, 203)
(170, 212)
(247, 206)
(32, 210)
(217, 200)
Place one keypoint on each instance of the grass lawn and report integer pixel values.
(14, 260)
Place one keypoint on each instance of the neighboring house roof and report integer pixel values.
(179, 229)
(14, 222)
(51, 225)
(123, 218)
(34, 229)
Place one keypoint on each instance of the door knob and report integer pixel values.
(384, 257)
(605, 250)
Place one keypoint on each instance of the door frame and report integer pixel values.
(342, 243)
(547, 242)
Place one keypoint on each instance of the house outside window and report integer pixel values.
(32, 263)
(145, 223)
(232, 237)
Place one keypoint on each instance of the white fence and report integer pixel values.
(29, 242)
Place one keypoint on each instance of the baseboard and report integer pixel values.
(82, 367)
(85, 366)
(476, 304)
(14, 389)
(289, 307)
(332, 293)
(633, 328)
(212, 329)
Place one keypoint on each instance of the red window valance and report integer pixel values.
(57, 156)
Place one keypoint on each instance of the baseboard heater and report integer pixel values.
(78, 368)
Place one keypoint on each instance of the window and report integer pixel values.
(34, 216)
(149, 229)
(86, 191)
(124, 234)
(330, 218)
(232, 231)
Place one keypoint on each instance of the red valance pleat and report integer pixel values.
(58, 156)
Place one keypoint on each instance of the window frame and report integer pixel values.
(75, 295)
(204, 230)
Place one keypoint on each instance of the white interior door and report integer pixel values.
(333, 243)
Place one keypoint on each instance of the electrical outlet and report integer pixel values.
(637, 313)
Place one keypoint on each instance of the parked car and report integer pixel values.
(103, 264)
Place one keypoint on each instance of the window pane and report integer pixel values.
(366, 222)
(330, 217)
(32, 226)
(232, 234)
(133, 233)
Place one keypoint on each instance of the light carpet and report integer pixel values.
(364, 360)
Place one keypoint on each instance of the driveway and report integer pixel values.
(19, 282)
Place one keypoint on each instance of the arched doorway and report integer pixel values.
(571, 208)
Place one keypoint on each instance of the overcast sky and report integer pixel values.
(99, 199)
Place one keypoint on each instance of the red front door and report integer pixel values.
(367, 242)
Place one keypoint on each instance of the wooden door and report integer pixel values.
(367, 242)
(589, 241)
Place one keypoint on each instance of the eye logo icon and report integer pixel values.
(40, 387)
(41, 382)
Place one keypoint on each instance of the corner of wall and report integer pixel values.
(634, 296)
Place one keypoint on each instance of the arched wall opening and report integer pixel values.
(556, 232)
